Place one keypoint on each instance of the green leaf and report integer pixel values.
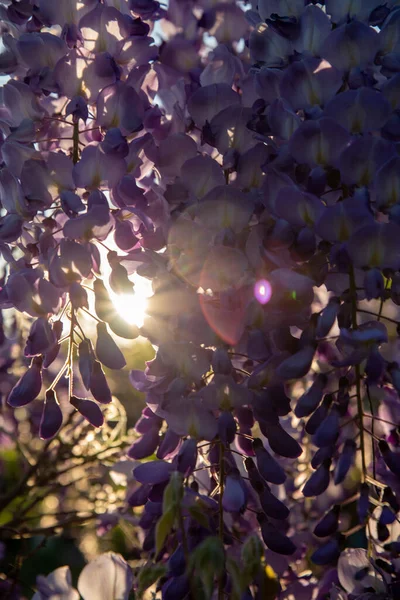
(173, 493)
(208, 560)
(252, 555)
(164, 528)
(148, 576)
(198, 515)
(238, 585)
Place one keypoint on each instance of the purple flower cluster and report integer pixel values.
(248, 165)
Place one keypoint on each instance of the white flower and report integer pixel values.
(356, 572)
(107, 577)
(56, 586)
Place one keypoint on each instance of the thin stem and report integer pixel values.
(75, 138)
(358, 373)
(91, 315)
(378, 315)
(70, 352)
(372, 431)
(221, 511)
(60, 374)
(382, 420)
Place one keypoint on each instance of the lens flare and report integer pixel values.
(263, 291)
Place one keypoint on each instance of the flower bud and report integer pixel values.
(29, 385)
(107, 350)
(52, 417)
(88, 409)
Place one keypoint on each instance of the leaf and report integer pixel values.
(173, 493)
(148, 576)
(164, 528)
(198, 515)
(209, 561)
(252, 553)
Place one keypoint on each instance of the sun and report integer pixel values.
(132, 307)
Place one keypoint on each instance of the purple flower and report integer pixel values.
(88, 409)
(52, 417)
(41, 338)
(29, 385)
(107, 350)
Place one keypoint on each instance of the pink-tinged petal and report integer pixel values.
(98, 384)
(359, 111)
(103, 29)
(88, 409)
(268, 47)
(387, 184)
(39, 50)
(137, 52)
(127, 192)
(41, 338)
(208, 101)
(353, 44)
(222, 66)
(224, 268)
(310, 82)
(201, 174)
(229, 129)
(96, 169)
(80, 74)
(52, 417)
(230, 23)
(11, 194)
(179, 54)
(223, 208)
(28, 387)
(119, 105)
(107, 577)
(170, 163)
(315, 26)
(297, 207)
(318, 142)
(65, 11)
(249, 169)
(77, 255)
(15, 155)
(107, 350)
(282, 120)
(360, 160)
(376, 245)
(20, 102)
(225, 313)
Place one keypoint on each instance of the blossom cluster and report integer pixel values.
(243, 157)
